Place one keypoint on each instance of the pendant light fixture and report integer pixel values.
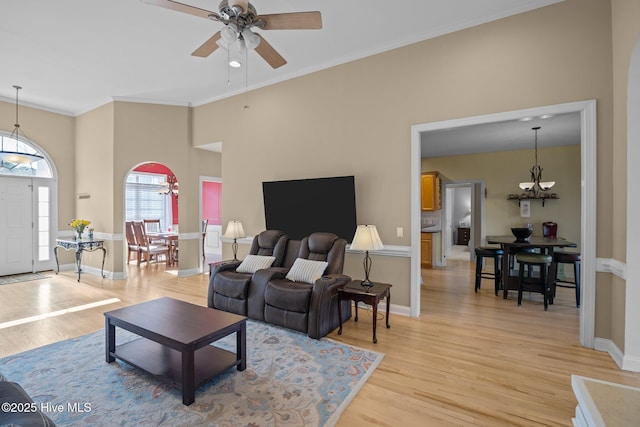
(170, 187)
(536, 185)
(17, 157)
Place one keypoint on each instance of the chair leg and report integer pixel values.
(576, 272)
(553, 275)
(544, 278)
(478, 272)
(520, 284)
(497, 271)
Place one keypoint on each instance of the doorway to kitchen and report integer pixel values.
(587, 125)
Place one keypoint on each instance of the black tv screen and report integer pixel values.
(303, 206)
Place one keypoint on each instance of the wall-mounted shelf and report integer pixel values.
(543, 197)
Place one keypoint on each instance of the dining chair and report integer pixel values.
(132, 244)
(534, 284)
(564, 257)
(151, 251)
(153, 226)
(489, 252)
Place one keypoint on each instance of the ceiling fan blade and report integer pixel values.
(292, 21)
(208, 47)
(269, 54)
(185, 8)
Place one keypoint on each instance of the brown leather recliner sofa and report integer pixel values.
(18, 409)
(268, 295)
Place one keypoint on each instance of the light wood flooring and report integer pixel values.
(470, 359)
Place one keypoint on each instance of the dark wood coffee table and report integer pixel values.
(175, 345)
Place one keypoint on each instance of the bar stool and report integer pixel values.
(561, 257)
(542, 283)
(489, 252)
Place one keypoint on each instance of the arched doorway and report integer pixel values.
(151, 193)
(28, 209)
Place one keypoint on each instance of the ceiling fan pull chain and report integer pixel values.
(246, 79)
(228, 66)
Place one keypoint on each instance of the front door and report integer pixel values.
(16, 225)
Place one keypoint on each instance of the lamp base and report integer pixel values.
(366, 283)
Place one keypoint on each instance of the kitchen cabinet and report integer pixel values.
(431, 197)
(426, 250)
(464, 234)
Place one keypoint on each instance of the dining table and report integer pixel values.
(171, 239)
(544, 244)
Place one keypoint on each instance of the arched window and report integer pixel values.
(39, 168)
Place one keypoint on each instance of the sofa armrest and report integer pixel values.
(214, 269)
(323, 308)
(259, 281)
(31, 415)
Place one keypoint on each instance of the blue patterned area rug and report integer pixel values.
(290, 380)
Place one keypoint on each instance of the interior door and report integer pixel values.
(16, 225)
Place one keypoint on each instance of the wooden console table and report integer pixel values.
(79, 246)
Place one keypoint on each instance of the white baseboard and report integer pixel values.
(624, 362)
(604, 344)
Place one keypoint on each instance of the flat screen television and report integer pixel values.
(302, 206)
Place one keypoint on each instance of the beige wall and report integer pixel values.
(626, 36)
(504, 170)
(161, 133)
(94, 172)
(356, 118)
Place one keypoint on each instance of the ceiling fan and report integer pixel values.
(239, 17)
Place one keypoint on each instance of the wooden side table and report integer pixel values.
(368, 295)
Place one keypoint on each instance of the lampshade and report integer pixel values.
(251, 40)
(366, 239)
(234, 230)
(228, 34)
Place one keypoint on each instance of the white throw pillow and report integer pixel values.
(305, 270)
(253, 263)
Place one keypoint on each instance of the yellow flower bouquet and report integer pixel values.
(79, 225)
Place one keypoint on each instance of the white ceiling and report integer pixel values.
(558, 130)
(71, 56)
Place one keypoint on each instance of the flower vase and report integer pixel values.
(78, 235)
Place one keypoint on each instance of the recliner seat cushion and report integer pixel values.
(232, 284)
(287, 304)
(287, 295)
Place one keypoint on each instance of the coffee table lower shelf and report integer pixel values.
(166, 363)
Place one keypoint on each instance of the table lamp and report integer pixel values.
(234, 231)
(366, 239)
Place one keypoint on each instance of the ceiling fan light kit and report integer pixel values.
(239, 17)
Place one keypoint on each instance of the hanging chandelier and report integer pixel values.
(170, 187)
(536, 185)
(17, 157)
